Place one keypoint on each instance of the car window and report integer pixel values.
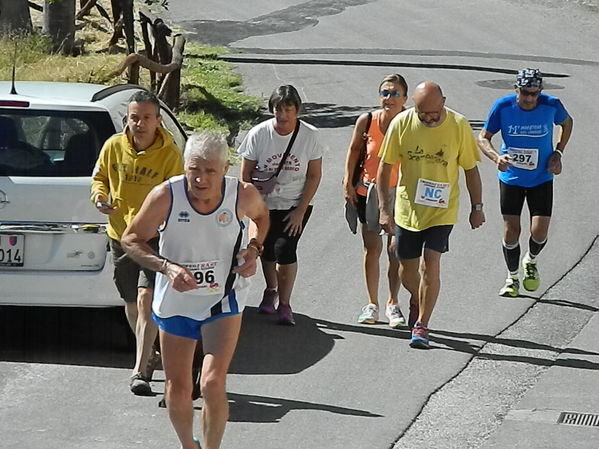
(51, 143)
(169, 123)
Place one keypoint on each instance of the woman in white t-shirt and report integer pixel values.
(290, 202)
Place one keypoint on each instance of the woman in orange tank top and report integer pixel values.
(393, 92)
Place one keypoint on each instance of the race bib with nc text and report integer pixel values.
(432, 194)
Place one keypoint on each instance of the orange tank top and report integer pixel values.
(371, 163)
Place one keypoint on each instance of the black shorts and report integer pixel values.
(539, 199)
(361, 208)
(410, 243)
(279, 246)
(128, 275)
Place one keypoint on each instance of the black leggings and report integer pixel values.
(279, 246)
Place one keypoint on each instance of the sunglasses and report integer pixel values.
(528, 93)
(390, 93)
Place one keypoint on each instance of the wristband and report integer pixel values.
(477, 207)
(561, 153)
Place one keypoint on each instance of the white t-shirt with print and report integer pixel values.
(265, 146)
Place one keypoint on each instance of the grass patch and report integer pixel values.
(212, 94)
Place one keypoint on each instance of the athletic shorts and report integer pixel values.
(539, 199)
(279, 246)
(361, 208)
(182, 326)
(128, 275)
(410, 243)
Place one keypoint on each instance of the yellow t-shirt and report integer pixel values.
(427, 191)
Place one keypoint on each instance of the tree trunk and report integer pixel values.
(14, 16)
(59, 25)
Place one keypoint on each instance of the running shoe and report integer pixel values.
(139, 385)
(511, 289)
(531, 280)
(369, 315)
(414, 312)
(419, 337)
(269, 299)
(395, 316)
(285, 315)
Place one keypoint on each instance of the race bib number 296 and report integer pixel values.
(208, 276)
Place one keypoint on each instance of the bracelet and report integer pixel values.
(477, 207)
(561, 153)
(256, 246)
(164, 265)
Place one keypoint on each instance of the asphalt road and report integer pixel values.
(329, 382)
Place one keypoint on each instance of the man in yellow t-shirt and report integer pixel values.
(431, 143)
(129, 166)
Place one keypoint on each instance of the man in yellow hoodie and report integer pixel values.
(129, 166)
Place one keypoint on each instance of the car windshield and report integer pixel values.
(51, 143)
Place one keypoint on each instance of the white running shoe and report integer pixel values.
(396, 319)
(369, 315)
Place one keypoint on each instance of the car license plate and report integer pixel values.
(11, 250)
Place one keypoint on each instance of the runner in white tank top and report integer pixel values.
(202, 286)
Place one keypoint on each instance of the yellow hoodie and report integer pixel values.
(126, 176)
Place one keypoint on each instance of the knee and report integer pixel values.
(212, 385)
(178, 390)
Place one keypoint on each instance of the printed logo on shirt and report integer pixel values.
(433, 157)
(224, 217)
(183, 217)
(540, 130)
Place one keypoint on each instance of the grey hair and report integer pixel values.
(206, 145)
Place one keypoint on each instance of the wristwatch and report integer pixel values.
(477, 207)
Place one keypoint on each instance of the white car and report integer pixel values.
(53, 243)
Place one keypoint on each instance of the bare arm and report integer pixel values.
(555, 160)
(353, 156)
(100, 186)
(295, 218)
(152, 214)
(247, 167)
(475, 190)
(383, 177)
(252, 206)
(487, 148)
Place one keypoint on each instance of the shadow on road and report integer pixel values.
(264, 409)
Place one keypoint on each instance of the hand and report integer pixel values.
(181, 278)
(387, 222)
(349, 193)
(294, 221)
(105, 208)
(503, 162)
(554, 165)
(477, 218)
(247, 257)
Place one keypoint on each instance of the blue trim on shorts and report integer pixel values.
(182, 326)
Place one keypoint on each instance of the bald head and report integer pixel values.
(429, 103)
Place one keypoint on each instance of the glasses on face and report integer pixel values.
(390, 93)
(529, 93)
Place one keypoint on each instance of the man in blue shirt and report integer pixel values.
(526, 164)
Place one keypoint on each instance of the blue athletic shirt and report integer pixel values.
(527, 136)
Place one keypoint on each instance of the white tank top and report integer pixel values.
(207, 244)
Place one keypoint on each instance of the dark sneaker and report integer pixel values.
(139, 385)
(267, 306)
(419, 337)
(414, 312)
(285, 315)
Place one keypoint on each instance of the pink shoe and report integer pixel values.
(285, 315)
(267, 306)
